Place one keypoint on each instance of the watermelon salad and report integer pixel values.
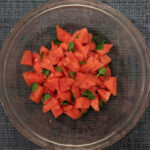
(72, 76)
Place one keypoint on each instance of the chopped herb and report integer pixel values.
(77, 36)
(57, 42)
(71, 47)
(107, 74)
(46, 72)
(95, 37)
(85, 112)
(100, 45)
(101, 71)
(65, 102)
(42, 54)
(71, 74)
(82, 62)
(101, 103)
(45, 97)
(59, 68)
(34, 87)
(72, 98)
(88, 94)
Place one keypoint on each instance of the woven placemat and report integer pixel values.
(138, 11)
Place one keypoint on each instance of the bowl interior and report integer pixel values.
(127, 65)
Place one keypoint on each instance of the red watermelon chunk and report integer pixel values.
(57, 112)
(27, 58)
(111, 85)
(95, 104)
(37, 95)
(106, 49)
(62, 35)
(104, 94)
(82, 102)
(74, 113)
(44, 50)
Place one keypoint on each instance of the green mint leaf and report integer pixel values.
(82, 62)
(95, 37)
(71, 74)
(59, 68)
(85, 112)
(71, 47)
(101, 103)
(45, 97)
(100, 45)
(57, 42)
(88, 94)
(107, 74)
(46, 72)
(65, 103)
(34, 87)
(42, 54)
(77, 36)
(101, 71)
(72, 98)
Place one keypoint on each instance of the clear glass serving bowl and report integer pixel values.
(130, 63)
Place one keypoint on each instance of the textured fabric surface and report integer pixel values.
(138, 11)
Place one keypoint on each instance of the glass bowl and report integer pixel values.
(130, 63)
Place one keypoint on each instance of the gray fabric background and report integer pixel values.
(138, 11)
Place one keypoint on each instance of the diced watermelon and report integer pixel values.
(62, 35)
(95, 104)
(64, 46)
(67, 107)
(111, 85)
(36, 57)
(84, 37)
(76, 91)
(105, 59)
(37, 67)
(27, 58)
(92, 46)
(53, 59)
(65, 84)
(82, 102)
(57, 52)
(53, 103)
(72, 62)
(46, 63)
(52, 84)
(31, 77)
(64, 96)
(44, 50)
(37, 95)
(104, 94)
(53, 46)
(105, 50)
(57, 112)
(74, 113)
(85, 68)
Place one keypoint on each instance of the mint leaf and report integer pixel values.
(77, 36)
(71, 47)
(42, 54)
(95, 37)
(46, 72)
(65, 103)
(82, 62)
(45, 97)
(59, 68)
(72, 98)
(88, 94)
(71, 74)
(57, 42)
(107, 74)
(101, 103)
(34, 87)
(100, 45)
(85, 112)
(101, 71)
